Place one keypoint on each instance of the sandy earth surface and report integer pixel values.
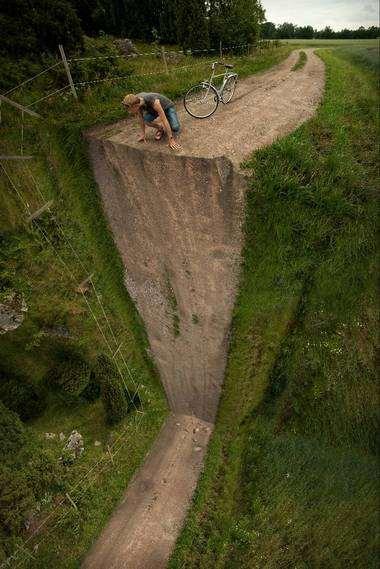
(144, 527)
(176, 218)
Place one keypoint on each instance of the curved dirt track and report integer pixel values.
(177, 222)
(265, 107)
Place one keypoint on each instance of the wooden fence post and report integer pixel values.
(68, 72)
(164, 60)
(220, 50)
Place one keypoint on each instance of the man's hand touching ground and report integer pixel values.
(174, 145)
(141, 138)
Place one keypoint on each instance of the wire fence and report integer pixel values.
(116, 353)
(163, 54)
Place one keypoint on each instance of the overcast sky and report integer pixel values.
(338, 14)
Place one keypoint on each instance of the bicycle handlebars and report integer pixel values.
(227, 65)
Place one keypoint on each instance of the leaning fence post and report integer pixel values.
(164, 60)
(68, 72)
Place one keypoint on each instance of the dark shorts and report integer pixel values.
(171, 115)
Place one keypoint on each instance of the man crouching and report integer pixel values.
(156, 111)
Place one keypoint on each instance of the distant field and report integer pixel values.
(335, 43)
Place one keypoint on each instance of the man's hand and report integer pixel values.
(173, 144)
(141, 138)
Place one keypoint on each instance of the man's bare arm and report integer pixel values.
(161, 113)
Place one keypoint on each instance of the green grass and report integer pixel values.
(62, 171)
(291, 474)
(302, 59)
(331, 43)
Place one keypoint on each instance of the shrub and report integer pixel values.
(16, 499)
(112, 391)
(21, 397)
(71, 374)
(43, 470)
(93, 389)
(12, 431)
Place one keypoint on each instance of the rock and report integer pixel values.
(12, 311)
(197, 449)
(50, 435)
(57, 331)
(62, 436)
(97, 443)
(75, 444)
(126, 46)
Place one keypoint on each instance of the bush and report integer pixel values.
(71, 374)
(42, 473)
(93, 389)
(12, 432)
(16, 499)
(112, 390)
(21, 397)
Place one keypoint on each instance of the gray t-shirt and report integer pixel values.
(149, 99)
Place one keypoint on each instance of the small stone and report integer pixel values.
(75, 443)
(50, 435)
(178, 424)
(97, 443)
(62, 436)
(197, 449)
(12, 309)
(195, 430)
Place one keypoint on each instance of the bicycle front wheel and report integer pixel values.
(229, 89)
(201, 101)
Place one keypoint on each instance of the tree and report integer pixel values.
(268, 30)
(304, 32)
(192, 28)
(33, 28)
(167, 21)
(234, 22)
(286, 31)
(326, 33)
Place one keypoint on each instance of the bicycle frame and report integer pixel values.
(226, 75)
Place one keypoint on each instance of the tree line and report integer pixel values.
(287, 30)
(32, 28)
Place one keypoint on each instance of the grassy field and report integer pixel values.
(291, 477)
(47, 272)
(332, 43)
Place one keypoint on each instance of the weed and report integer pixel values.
(302, 59)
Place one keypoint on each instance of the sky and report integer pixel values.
(338, 14)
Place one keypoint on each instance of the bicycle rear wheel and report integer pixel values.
(229, 89)
(201, 101)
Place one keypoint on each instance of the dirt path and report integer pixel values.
(265, 107)
(177, 221)
(144, 527)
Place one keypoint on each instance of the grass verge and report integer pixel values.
(290, 478)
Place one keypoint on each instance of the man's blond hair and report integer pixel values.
(130, 100)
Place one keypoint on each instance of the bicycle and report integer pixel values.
(202, 100)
